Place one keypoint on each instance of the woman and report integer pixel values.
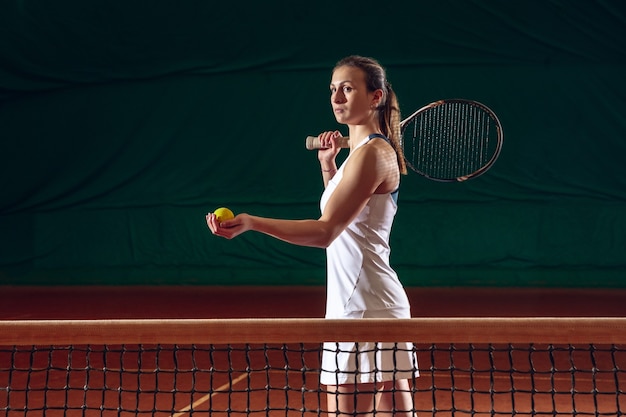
(358, 206)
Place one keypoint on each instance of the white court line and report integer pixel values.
(202, 400)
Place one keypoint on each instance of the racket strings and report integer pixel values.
(451, 140)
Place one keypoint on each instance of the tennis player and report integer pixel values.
(358, 206)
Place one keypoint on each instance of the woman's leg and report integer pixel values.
(352, 399)
(387, 399)
(396, 399)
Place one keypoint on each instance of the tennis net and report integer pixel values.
(230, 367)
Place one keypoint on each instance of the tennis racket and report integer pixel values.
(448, 140)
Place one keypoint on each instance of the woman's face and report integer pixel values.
(352, 103)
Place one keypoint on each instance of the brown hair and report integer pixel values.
(388, 109)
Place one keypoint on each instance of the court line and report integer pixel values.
(202, 400)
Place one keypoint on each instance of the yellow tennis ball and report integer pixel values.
(223, 214)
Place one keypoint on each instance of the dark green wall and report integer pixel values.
(123, 123)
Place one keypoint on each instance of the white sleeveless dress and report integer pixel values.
(362, 284)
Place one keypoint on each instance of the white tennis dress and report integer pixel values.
(362, 284)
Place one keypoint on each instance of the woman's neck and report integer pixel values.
(358, 132)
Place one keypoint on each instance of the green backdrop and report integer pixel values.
(123, 122)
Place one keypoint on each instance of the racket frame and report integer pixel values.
(485, 166)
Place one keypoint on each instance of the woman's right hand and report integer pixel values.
(330, 146)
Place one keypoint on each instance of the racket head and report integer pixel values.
(451, 140)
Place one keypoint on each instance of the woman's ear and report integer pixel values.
(377, 98)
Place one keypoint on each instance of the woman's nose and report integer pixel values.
(338, 97)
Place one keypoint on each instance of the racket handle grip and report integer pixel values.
(313, 142)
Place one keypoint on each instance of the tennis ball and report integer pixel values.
(223, 214)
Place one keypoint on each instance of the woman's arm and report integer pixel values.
(327, 154)
(362, 178)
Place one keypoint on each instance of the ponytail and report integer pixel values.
(389, 116)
